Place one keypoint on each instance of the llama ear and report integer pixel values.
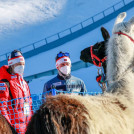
(105, 34)
(120, 18)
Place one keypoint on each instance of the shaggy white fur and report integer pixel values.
(109, 114)
(120, 65)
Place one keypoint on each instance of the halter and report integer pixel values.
(94, 57)
(101, 77)
(125, 35)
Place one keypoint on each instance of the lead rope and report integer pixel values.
(101, 79)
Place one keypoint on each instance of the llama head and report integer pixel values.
(125, 27)
(98, 49)
(123, 34)
(120, 59)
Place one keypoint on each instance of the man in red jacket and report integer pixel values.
(12, 86)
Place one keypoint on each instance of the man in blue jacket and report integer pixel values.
(64, 81)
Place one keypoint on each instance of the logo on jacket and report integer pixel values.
(73, 81)
(57, 83)
(14, 76)
(76, 90)
(2, 84)
(2, 88)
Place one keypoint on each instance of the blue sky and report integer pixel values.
(23, 22)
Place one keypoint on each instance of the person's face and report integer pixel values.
(17, 64)
(64, 64)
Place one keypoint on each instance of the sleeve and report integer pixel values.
(83, 87)
(4, 96)
(31, 107)
(28, 89)
(30, 99)
(45, 89)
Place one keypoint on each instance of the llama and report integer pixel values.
(110, 113)
(5, 127)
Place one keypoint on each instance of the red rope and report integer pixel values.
(125, 35)
(94, 57)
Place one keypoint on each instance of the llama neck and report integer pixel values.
(120, 74)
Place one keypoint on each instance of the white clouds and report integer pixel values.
(14, 13)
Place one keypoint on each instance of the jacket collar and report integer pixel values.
(64, 78)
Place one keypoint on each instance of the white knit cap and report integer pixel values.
(15, 57)
(62, 60)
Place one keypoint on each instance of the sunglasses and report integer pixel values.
(63, 54)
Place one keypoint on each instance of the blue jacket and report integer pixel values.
(70, 84)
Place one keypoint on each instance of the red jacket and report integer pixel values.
(17, 115)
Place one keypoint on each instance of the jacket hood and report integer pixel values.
(4, 73)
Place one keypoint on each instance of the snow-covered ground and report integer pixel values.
(67, 13)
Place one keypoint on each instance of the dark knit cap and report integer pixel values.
(14, 54)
